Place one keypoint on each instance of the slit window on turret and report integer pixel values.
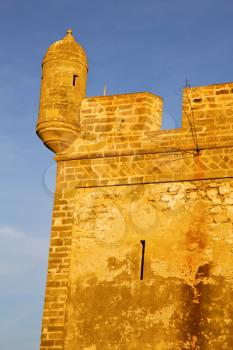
(75, 80)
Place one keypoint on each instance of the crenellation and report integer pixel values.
(121, 117)
(210, 102)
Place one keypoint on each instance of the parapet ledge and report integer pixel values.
(130, 124)
(125, 113)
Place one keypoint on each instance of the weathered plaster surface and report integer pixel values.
(185, 300)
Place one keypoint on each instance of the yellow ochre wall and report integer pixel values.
(122, 180)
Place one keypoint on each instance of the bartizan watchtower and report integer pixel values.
(141, 249)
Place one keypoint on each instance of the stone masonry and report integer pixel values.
(141, 249)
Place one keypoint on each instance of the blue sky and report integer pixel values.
(132, 45)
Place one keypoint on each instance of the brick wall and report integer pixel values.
(53, 330)
(126, 113)
(211, 106)
(121, 145)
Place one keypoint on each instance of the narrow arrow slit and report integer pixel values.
(143, 242)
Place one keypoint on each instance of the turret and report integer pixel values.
(63, 86)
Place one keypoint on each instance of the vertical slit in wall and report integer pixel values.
(143, 242)
(75, 78)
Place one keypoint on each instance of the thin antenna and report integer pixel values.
(105, 89)
(191, 122)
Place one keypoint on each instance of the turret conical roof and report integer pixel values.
(67, 49)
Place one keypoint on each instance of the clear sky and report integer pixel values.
(132, 45)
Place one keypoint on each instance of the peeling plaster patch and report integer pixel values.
(213, 196)
(164, 316)
(143, 214)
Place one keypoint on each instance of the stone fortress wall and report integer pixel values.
(141, 249)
